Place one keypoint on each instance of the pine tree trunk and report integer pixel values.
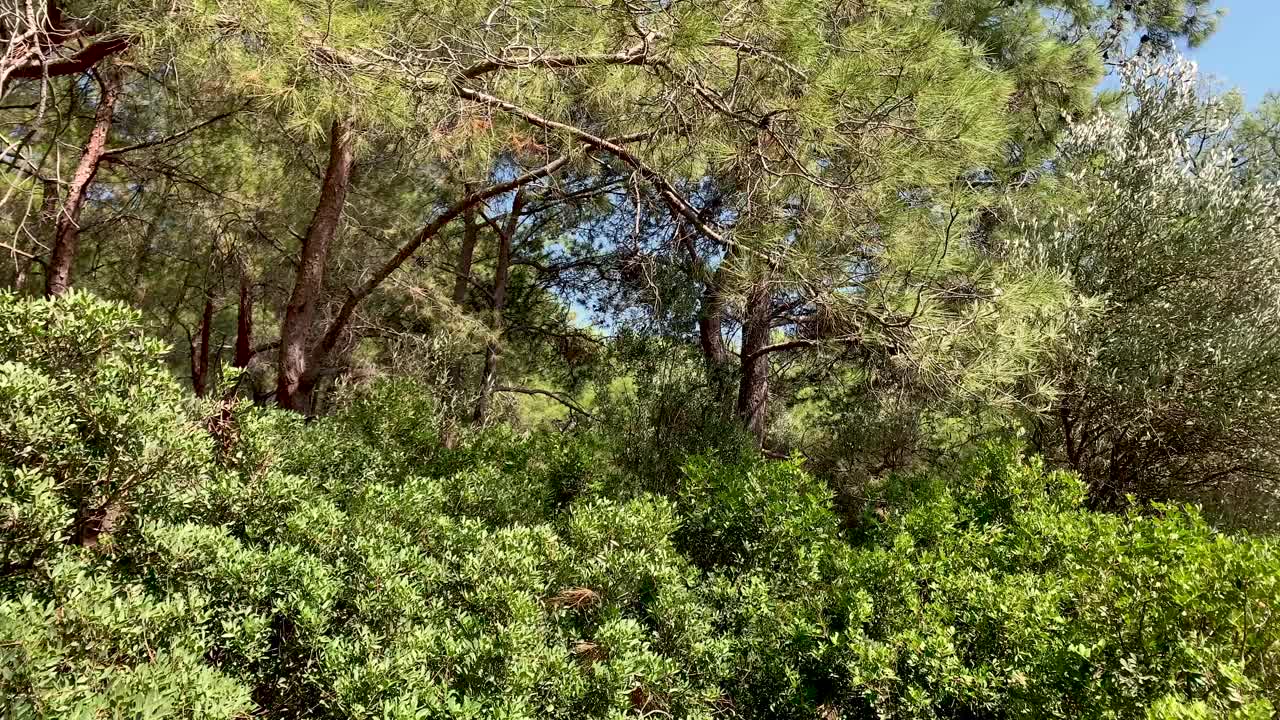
(501, 275)
(710, 326)
(297, 370)
(244, 322)
(67, 228)
(200, 353)
(711, 337)
(753, 383)
(466, 254)
(461, 289)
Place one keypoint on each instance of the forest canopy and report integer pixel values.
(788, 359)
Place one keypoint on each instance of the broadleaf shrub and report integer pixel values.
(356, 567)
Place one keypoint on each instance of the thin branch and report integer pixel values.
(748, 48)
(664, 186)
(30, 170)
(13, 249)
(548, 393)
(171, 138)
(634, 55)
(779, 347)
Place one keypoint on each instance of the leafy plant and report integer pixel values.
(355, 567)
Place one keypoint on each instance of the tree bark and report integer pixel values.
(297, 369)
(710, 309)
(200, 353)
(711, 323)
(501, 275)
(466, 254)
(753, 383)
(715, 355)
(244, 322)
(461, 288)
(81, 61)
(67, 227)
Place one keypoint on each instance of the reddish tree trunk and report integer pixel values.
(67, 228)
(501, 275)
(466, 254)
(710, 325)
(200, 353)
(753, 384)
(244, 323)
(461, 288)
(298, 368)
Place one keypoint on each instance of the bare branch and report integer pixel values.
(170, 138)
(748, 48)
(558, 397)
(82, 60)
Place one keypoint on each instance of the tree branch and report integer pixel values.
(171, 138)
(548, 393)
(30, 170)
(664, 186)
(635, 55)
(23, 253)
(354, 296)
(80, 61)
(779, 347)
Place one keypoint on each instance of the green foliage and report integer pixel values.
(356, 567)
(93, 424)
(989, 592)
(1171, 389)
(1258, 139)
(655, 405)
(95, 438)
(88, 647)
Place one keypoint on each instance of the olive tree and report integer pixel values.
(1170, 387)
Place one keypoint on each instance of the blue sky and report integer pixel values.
(1245, 51)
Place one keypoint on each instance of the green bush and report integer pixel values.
(656, 406)
(95, 438)
(355, 567)
(92, 425)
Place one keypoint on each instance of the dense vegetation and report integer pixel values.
(785, 359)
(357, 567)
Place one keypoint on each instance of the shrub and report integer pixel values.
(656, 407)
(355, 567)
(94, 438)
(92, 424)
